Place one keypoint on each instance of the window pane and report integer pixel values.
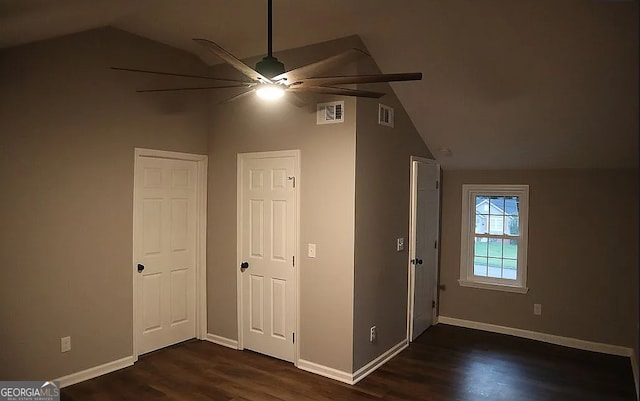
(495, 267)
(511, 225)
(480, 247)
(510, 264)
(482, 223)
(495, 248)
(480, 266)
(496, 225)
(510, 274)
(509, 269)
(497, 205)
(510, 261)
(482, 204)
(512, 205)
(510, 249)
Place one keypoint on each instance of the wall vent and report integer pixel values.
(385, 115)
(330, 113)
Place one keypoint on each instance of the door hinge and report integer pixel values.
(433, 304)
(293, 178)
(437, 184)
(293, 261)
(435, 244)
(293, 338)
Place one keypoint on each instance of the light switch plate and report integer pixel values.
(311, 250)
(537, 309)
(400, 244)
(65, 344)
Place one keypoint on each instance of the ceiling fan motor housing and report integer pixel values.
(270, 67)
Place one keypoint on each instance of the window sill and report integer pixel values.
(491, 286)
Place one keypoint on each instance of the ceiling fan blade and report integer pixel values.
(173, 74)
(359, 79)
(318, 67)
(238, 96)
(337, 91)
(192, 88)
(232, 60)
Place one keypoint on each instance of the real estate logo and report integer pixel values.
(29, 391)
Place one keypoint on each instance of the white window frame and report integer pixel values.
(467, 278)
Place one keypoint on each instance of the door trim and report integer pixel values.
(295, 153)
(412, 236)
(201, 237)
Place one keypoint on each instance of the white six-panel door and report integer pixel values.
(165, 241)
(424, 253)
(267, 236)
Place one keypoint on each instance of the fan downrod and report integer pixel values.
(269, 66)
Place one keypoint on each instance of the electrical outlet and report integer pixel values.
(537, 309)
(400, 244)
(65, 344)
(373, 334)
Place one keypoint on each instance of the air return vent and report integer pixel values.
(385, 115)
(330, 113)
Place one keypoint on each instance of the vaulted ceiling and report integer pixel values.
(507, 84)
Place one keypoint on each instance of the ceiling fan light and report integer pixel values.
(270, 91)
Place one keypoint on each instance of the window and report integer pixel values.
(494, 237)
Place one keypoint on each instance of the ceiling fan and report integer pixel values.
(270, 80)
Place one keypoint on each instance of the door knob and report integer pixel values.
(244, 265)
(140, 267)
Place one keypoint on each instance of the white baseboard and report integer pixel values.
(534, 335)
(353, 378)
(225, 342)
(96, 371)
(325, 371)
(379, 361)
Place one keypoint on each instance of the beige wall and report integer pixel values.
(382, 215)
(326, 217)
(68, 128)
(582, 260)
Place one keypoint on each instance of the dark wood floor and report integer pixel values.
(445, 364)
